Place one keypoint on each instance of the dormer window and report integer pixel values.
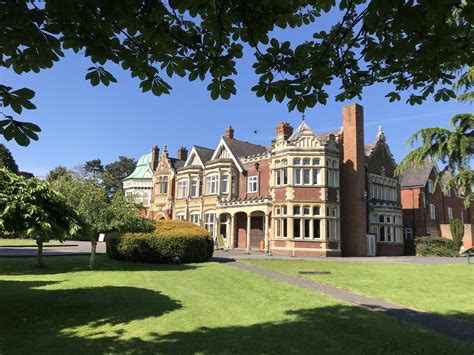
(252, 184)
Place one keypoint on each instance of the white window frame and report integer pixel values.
(195, 217)
(252, 184)
(450, 213)
(194, 185)
(432, 212)
(182, 188)
(315, 176)
(210, 222)
(430, 186)
(212, 183)
(181, 216)
(224, 183)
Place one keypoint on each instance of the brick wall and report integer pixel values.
(309, 194)
(263, 173)
(381, 158)
(418, 218)
(353, 208)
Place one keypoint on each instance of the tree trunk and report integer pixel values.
(93, 250)
(39, 243)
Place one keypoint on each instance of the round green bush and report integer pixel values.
(170, 240)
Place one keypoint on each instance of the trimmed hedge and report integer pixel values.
(432, 246)
(171, 239)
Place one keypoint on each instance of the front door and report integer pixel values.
(371, 245)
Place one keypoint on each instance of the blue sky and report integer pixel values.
(80, 122)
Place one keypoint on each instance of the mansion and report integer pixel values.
(306, 194)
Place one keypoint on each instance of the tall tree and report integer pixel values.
(7, 160)
(92, 169)
(31, 208)
(417, 46)
(59, 172)
(100, 213)
(115, 172)
(454, 148)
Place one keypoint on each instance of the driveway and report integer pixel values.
(84, 248)
(66, 248)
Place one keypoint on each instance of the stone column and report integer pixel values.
(217, 228)
(266, 232)
(248, 233)
(232, 231)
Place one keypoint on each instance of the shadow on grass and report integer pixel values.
(63, 264)
(37, 319)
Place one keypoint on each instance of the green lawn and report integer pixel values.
(445, 289)
(27, 243)
(204, 308)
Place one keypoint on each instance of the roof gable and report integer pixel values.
(199, 156)
(236, 149)
(302, 130)
(418, 177)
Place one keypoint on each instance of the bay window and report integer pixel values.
(224, 184)
(296, 171)
(194, 188)
(285, 171)
(182, 188)
(194, 218)
(211, 184)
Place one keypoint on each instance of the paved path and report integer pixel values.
(68, 248)
(83, 248)
(424, 260)
(455, 328)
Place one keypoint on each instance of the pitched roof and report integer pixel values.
(326, 135)
(302, 127)
(175, 163)
(142, 170)
(243, 149)
(205, 154)
(417, 177)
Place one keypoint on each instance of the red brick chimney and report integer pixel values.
(229, 132)
(182, 153)
(353, 192)
(283, 130)
(155, 153)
